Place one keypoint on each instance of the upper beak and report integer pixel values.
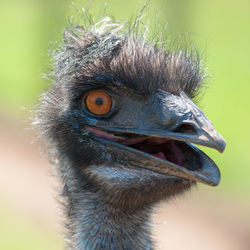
(186, 122)
(178, 118)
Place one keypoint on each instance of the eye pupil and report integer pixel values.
(99, 101)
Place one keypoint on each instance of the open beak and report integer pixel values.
(167, 146)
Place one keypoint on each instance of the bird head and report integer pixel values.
(120, 114)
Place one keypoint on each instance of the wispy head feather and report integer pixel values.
(129, 54)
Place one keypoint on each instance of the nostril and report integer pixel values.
(185, 128)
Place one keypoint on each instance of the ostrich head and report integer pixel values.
(120, 119)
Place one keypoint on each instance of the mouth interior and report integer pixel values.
(162, 148)
(177, 152)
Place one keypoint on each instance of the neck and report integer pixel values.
(95, 223)
(98, 226)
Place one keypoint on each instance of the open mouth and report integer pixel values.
(166, 155)
(168, 150)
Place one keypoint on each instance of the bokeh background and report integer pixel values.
(208, 218)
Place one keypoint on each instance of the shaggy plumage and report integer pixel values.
(108, 195)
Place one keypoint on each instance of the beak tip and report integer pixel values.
(221, 145)
(214, 180)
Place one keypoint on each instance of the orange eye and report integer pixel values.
(98, 103)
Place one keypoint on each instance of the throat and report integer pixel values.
(94, 224)
(109, 206)
(102, 216)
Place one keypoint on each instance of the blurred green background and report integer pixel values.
(219, 28)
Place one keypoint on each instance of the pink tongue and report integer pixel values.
(160, 155)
